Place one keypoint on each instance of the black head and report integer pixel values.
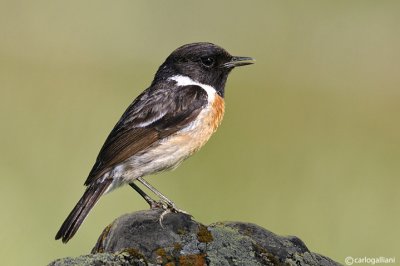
(203, 62)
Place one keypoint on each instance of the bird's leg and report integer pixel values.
(153, 204)
(167, 201)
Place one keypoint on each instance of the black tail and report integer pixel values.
(81, 210)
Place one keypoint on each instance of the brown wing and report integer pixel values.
(157, 113)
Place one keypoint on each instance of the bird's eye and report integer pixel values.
(207, 61)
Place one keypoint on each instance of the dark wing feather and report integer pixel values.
(157, 113)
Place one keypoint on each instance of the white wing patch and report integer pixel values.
(186, 81)
(151, 121)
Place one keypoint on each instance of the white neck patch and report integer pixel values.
(186, 81)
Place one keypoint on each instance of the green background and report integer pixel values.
(309, 145)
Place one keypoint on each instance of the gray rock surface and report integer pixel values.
(139, 239)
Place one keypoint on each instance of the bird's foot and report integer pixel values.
(170, 207)
(160, 220)
(157, 205)
(174, 209)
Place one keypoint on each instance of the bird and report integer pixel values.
(167, 123)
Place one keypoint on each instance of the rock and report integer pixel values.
(100, 259)
(139, 239)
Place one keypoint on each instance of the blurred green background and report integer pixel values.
(309, 145)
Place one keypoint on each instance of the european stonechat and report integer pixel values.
(164, 125)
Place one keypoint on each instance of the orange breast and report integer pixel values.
(217, 113)
(208, 122)
(192, 138)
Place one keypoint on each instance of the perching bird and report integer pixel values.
(163, 126)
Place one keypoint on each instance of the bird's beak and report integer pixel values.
(239, 61)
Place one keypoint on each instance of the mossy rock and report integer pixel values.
(140, 239)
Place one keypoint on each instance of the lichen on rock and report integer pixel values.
(139, 239)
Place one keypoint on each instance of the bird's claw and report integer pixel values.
(168, 208)
(157, 205)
